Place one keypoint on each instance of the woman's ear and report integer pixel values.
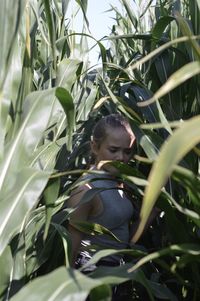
(94, 147)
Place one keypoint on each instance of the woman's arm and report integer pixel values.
(154, 213)
(81, 213)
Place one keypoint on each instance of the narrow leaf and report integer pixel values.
(50, 196)
(19, 151)
(10, 17)
(92, 229)
(177, 78)
(83, 4)
(159, 28)
(4, 112)
(174, 249)
(107, 252)
(51, 27)
(29, 184)
(62, 284)
(6, 263)
(172, 151)
(67, 103)
(66, 73)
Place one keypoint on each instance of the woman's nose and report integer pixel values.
(120, 156)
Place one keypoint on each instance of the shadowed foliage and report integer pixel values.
(50, 98)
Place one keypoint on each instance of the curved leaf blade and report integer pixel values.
(66, 284)
(192, 249)
(20, 150)
(10, 15)
(28, 186)
(66, 73)
(67, 103)
(172, 151)
(177, 78)
(159, 28)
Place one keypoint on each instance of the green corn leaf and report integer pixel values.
(87, 102)
(107, 252)
(4, 111)
(26, 79)
(158, 50)
(6, 264)
(187, 32)
(117, 275)
(20, 150)
(177, 78)
(50, 196)
(66, 284)
(66, 239)
(21, 185)
(161, 291)
(67, 103)
(28, 185)
(198, 2)
(46, 154)
(192, 249)
(65, 4)
(172, 151)
(66, 73)
(130, 12)
(83, 5)
(190, 181)
(92, 228)
(10, 18)
(102, 292)
(159, 29)
(19, 266)
(51, 28)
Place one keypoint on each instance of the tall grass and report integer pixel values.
(50, 100)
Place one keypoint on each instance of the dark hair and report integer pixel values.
(113, 120)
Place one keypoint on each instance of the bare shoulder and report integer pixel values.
(90, 205)
(77, 194)
(84, 207)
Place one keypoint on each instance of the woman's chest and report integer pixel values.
(114, 209)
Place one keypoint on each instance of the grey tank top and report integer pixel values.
(116, 215)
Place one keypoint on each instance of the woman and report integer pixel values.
(112, 140)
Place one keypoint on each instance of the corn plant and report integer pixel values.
(50, 99)
(152, 74)
(40, 93)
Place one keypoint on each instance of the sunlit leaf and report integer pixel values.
(4, 110)
(106, 252)
(92, 228)
(29, 184)
(159, 29)
(66, 284)
(177, 249)
(50, 196)
(67, 103)
(119, 274)
(51, 28)
(5, 268)
(173, 150)
(19, 151)
(10, 14)
(177, 78)
(66, 73)
(83, 4)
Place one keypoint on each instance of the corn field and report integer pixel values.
(50, 98)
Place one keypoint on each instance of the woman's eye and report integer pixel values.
(112, 150)
(128, 151)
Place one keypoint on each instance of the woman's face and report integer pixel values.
(117, 146)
